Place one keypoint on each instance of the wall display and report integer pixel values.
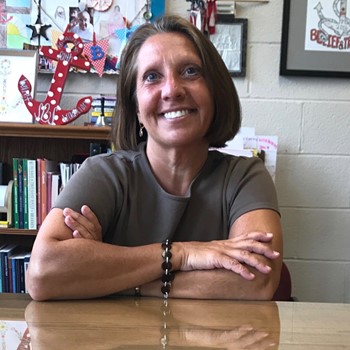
(230, 39)
(105, 20)
(14, 63)
(68, 53)
(315, 38)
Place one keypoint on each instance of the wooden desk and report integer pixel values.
(126, 323)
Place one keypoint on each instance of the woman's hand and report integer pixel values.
(84, 225)
(234, 254)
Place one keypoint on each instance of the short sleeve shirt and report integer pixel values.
(133, 209)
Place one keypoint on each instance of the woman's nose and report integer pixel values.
(172, 88)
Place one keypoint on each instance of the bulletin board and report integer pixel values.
(110, 20)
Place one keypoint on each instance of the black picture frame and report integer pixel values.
(230, 39)
(327, 60)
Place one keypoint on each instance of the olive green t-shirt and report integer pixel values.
(133, 209)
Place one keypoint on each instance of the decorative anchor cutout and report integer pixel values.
(49, 111)
(340, 28)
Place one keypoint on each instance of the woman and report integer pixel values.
(219, 211)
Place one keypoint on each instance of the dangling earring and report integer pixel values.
(141, 129)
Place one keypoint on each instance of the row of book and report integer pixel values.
(36, 185)
(14, 261)
(102, 110)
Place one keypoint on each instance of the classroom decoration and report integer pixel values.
(67, 54)
(203, 14)
(28, 23)
(123, 35)
(212, 15)
(39, 29)
(96, 52)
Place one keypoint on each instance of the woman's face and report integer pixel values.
(174, 101)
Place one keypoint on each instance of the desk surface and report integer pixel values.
(145, 323)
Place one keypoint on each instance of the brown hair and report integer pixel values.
(227, 111)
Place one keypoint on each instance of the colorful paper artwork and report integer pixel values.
(18, 18)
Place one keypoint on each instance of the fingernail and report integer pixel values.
(275, 253)
(269, 234)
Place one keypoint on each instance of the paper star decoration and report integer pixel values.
(39, 29)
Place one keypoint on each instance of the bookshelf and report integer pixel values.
(44, 141)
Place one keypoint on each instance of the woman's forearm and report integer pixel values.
(215, 284)
(80, 268)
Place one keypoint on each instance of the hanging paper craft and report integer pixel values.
(96, 52)
(212, 16)
(49, 111)
(123, 35)
(39, 29)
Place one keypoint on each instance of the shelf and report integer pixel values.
(15, 232)
(55, 131)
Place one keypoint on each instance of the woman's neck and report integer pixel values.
(175, 168)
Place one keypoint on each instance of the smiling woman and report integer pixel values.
(174, 101)
(165, 204)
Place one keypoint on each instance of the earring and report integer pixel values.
(141, 130)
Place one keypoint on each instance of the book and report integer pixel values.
(52, 188)
(5, 253)
(39, 187)
(43, 189)
(15, 207)
(32, 195)
(25, 266)
(18, 272)
(25, 193)
(1, 275)
(45, 167)
(12, 274)
(55, 188)
(20, 192)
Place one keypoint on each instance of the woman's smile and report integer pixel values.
(177, 114)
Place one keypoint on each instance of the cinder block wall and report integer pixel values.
(311, 117)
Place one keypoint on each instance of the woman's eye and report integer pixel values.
(192, 71)
(150, 77)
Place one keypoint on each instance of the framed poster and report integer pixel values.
(230, 39)
(14, 63)
(315, 38)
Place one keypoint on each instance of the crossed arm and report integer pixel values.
(70, 261)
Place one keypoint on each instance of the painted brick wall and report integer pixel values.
(311, 117)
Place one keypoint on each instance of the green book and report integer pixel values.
(15, 208)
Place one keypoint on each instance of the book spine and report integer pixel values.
(32, 196)
(6, 273)
(15, 209)
(21, 273)
(20, 193)
(48, 191)
(25, 268)
(12, 263)
(1, 274)
(43, 189)
(39, 186)
(25, 194)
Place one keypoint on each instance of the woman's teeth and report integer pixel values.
(175, 114)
